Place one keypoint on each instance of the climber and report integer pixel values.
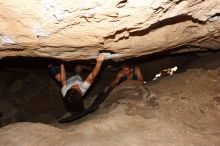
(128, 73)
(54, 71)
(74, 88)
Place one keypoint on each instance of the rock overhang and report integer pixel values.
(78, 30)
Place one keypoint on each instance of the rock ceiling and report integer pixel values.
(78, 29)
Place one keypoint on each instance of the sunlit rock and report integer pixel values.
(72, 30)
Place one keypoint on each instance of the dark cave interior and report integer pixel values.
(28, 93)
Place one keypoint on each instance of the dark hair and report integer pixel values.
(127, 64)
(74, 101)
(73, 96)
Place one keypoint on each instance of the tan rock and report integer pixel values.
(186, 115)
(72, 30)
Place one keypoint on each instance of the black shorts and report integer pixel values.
(54, 69)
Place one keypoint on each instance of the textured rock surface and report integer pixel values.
(29, 94)
(182, 110)
(71, 30)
